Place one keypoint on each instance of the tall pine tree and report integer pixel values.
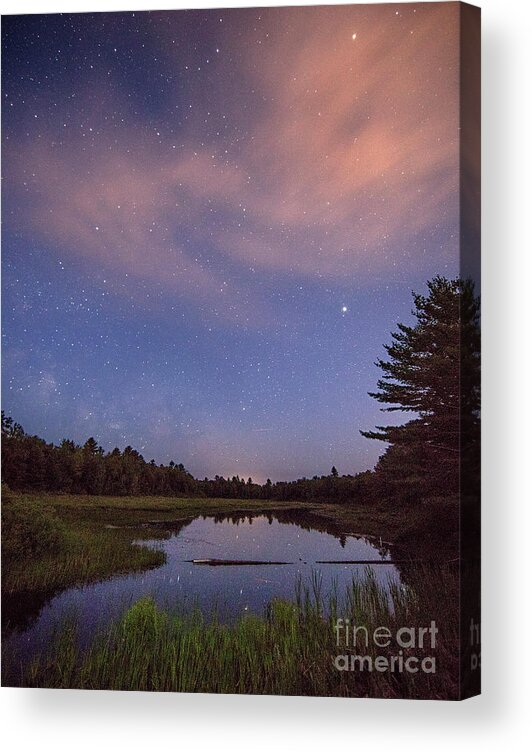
(433, 371)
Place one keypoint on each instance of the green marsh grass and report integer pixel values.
(77, 539)
(42, 551)
(289, 650)
(51, 542)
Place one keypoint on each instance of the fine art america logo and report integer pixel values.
(361, 647)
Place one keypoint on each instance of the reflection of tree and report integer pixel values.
(21, 609)
(432, 371)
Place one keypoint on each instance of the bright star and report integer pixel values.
(344, 309)
(354, 36)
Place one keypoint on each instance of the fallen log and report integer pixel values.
(234, 562)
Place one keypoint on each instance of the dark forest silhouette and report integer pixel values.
(433, 371)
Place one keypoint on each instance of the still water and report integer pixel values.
(180, 584)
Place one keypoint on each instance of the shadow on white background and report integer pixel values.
(85, 720)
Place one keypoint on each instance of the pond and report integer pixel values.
(230, 588)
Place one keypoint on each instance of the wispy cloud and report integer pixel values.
(348, 164)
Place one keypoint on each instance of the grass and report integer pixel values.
(43, 550)
(77, 539)
(51, 542)
(287, 651)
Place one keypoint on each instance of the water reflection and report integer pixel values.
(228, 590)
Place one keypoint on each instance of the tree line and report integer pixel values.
(31, 464)
(432, 370)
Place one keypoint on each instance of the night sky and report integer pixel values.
(214, 219)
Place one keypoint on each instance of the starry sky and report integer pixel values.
(213, 220)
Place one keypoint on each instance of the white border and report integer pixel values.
(60, 719)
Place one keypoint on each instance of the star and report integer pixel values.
(203, 239)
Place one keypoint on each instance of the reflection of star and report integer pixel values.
(354, 36)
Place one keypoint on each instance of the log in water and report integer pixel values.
(233, 562)
(248, 562)
(370, 561)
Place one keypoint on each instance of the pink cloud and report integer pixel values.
(353, 156)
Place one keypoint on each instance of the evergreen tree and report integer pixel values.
(433, 371)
